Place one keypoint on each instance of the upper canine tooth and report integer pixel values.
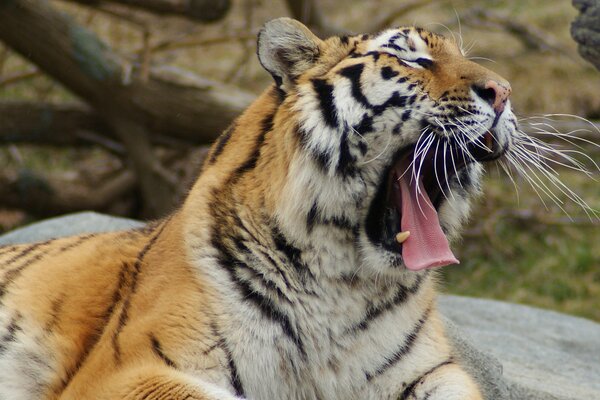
(402, 236)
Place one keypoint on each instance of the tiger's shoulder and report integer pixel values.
(74, 308)
(19, 257)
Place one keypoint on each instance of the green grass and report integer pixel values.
(544, 260)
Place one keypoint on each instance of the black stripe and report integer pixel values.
(401, 296)
(260, 276)
(354, 72)
(11, 333)
(409, 390)
(403, 350)
(146, 229)
(222, 140)
(294, 257)
(11, 275)
(395, 37)
(7, 249)
(14, 273)
(388, 73)
(292, 253)
(55, 312)
(365, 125)
(24, 252)
(362, 146)
(394, 47)
(78, 241)
(157, 349)
(327, 101)
(313, 218)
(250, 163)
(374, 54)
(396, 101)
(267, 124)
(322, 158)
(346, 160)
(266, 306)
(342, 223)
(281, 94)
(220, 342)
(236, 381)
(124, 313)
(268, 284)
(115, 299)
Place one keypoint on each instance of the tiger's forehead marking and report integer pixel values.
(402, 42)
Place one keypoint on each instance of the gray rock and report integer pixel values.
(486, 370)
(514, 352)
(545, 354)
(73, 224)
(585, 30)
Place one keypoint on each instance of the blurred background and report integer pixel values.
(109, 105)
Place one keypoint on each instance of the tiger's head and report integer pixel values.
(392, 130)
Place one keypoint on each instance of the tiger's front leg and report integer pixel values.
(150, 383)
(446, 381)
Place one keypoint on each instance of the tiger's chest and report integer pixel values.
(336, 339)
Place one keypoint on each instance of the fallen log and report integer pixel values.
(199, 10)
(48, 196)
(131, 103)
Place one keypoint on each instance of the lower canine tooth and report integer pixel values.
(402, 236)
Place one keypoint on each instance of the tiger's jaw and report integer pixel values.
(424, 197)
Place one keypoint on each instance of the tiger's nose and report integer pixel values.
(494, 93)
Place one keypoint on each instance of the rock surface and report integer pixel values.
(514, 352)
(72, 224)
(544, 354)
(586, 30)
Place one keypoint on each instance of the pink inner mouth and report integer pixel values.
(427, 245)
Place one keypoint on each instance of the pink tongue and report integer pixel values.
(427, 246)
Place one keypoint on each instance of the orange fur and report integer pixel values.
(127, 315)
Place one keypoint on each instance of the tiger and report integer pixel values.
(302, 264)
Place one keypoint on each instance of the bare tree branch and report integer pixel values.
(168, 101)
(173, 44)
(309, 13)
(200, 10)
(157, 191)
(172, 102)
(49, 124)
(45, 197)
(67, 124)
(532, 37)
(387, 18)
(19, 77)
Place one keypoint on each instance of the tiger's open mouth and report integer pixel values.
(403, 216)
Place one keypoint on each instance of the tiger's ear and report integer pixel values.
(286, 48)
